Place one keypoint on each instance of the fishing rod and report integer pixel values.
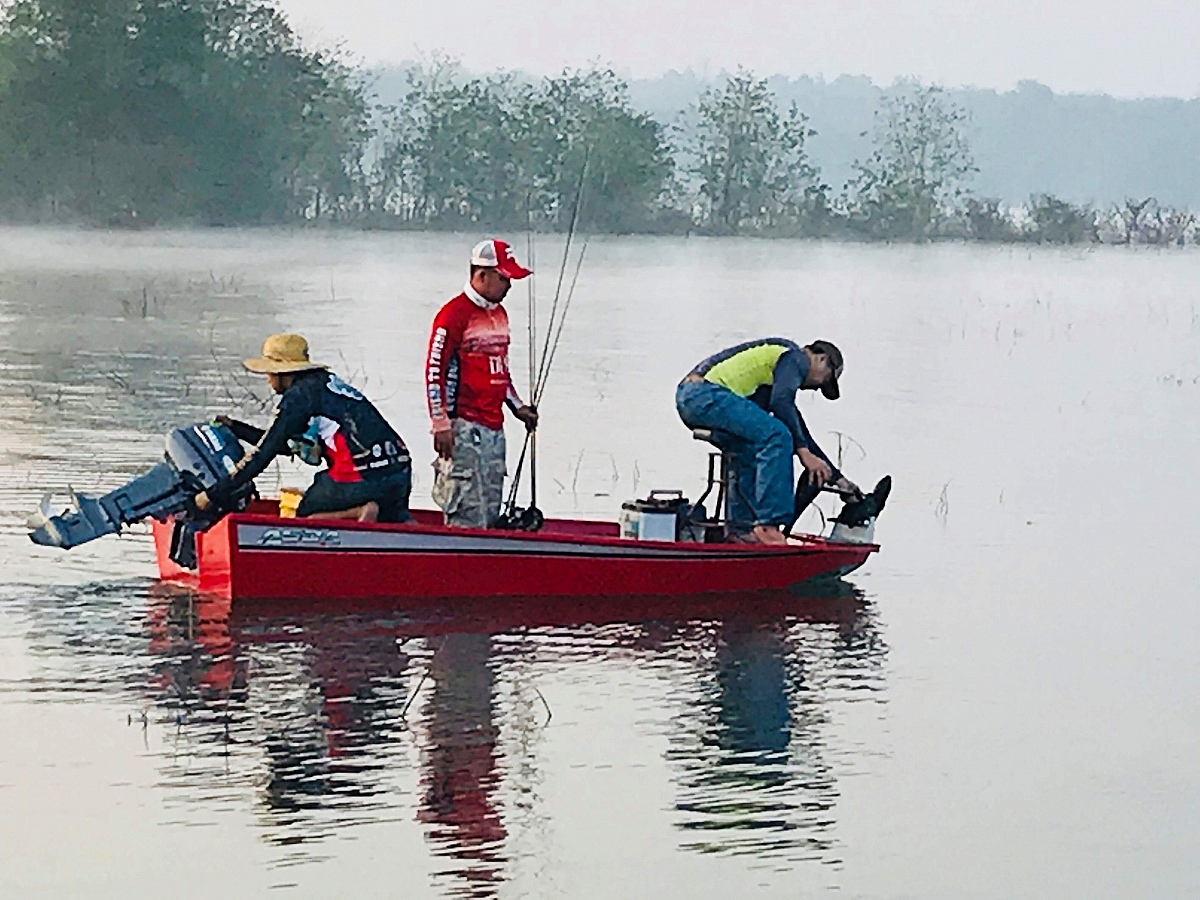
(539, 366)
(531, 436)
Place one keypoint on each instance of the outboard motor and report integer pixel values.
(196, 458)
(855, 524)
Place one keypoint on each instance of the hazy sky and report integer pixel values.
(1129, 48)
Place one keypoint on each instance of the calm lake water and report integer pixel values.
(1001, 704)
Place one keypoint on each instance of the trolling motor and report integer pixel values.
(196, 458)
(854, 524)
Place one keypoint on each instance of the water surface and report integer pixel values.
(1002, 703)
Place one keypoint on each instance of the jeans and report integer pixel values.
(760, 450)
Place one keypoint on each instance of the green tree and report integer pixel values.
(986, 219)
(175, 109)
(917, 171)
(586, 116)
(453, 151)
(1056, 221)
(502, 151)
(750, 161)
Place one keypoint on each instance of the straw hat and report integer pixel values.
(282, 353)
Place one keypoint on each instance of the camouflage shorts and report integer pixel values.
(471, 490)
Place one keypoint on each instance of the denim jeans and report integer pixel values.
(760, 449)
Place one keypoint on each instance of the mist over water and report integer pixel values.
(1001, 703)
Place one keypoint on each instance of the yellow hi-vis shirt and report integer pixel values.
(747, 367)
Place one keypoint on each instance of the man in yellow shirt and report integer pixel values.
(747, 393)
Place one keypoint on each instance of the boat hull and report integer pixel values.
(255, 556)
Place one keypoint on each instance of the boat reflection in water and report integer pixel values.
(459, 778)
(750, 746)
(317, 709)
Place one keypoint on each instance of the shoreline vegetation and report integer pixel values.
(136, 113)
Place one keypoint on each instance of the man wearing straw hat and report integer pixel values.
(468, 384)
(369, 474)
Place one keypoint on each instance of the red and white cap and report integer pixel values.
(497, 255)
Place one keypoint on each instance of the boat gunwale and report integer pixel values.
(805, 545)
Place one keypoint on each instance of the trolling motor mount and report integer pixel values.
(195, 458)
(854, 524)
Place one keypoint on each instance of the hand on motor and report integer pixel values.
(223, 420)
(217, 498)
(816, 470)
(847, 486)
(529, 415)
(443, 443)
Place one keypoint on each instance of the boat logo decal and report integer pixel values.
(298, 537)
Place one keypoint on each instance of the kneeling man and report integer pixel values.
(320, 417)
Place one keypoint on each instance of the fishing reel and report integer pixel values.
(307, 447)
(516, 518)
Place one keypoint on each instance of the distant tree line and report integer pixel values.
(210, 111)
(1026, 140)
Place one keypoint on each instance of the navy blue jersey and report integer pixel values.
(354, 439)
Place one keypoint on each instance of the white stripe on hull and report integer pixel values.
(318, 539)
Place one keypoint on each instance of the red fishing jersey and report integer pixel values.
(466, 369)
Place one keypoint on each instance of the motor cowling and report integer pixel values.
(195, 458)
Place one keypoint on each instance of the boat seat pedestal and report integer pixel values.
(718, 480)
(719, 472)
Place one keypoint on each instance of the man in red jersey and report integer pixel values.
(468, 384)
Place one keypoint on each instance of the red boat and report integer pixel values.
(258, 555)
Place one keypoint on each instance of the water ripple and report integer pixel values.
(307, 717)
